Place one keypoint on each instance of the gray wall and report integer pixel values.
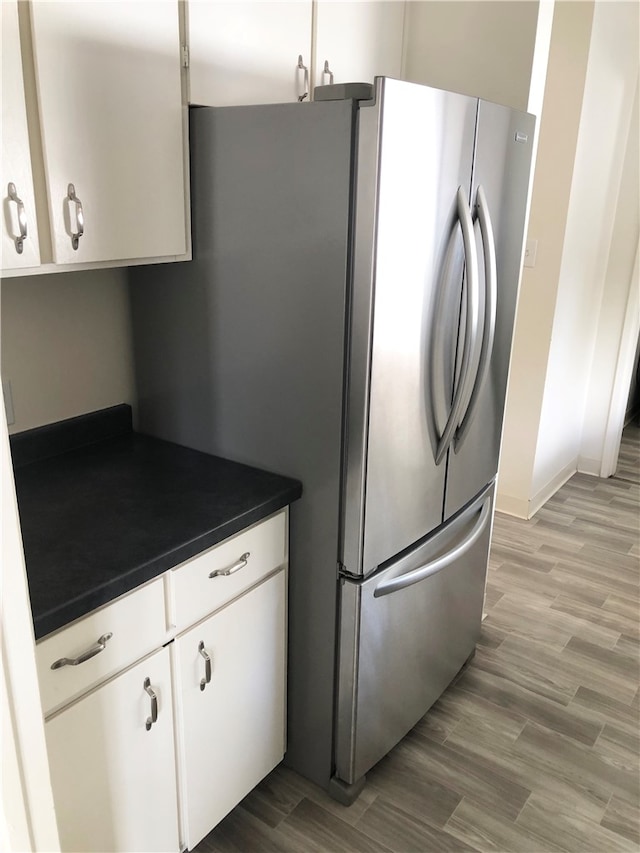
(66, 344)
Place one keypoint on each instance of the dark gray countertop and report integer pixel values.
(100, 519)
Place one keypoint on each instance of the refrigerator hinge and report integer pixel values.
(184, 51)
(344, 91)
(346, 575)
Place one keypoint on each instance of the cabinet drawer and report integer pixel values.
(137, 625)
(250, 556)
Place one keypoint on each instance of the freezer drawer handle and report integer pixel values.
(473, 316)
(435, 566)
(91, 652)
(491, 301)
(239, 564)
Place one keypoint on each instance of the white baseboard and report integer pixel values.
(510, 505)
(547, 491)
(527, 508)
(589, 466)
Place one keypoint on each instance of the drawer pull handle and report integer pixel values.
(90, 653)
(207, 665)
(154, 703)
(240, 564)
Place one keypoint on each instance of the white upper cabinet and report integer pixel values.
(19, 245)
(109, 96)
(358, 40)
(247, 52)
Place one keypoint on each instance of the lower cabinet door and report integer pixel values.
(112, 765)
(232, 682)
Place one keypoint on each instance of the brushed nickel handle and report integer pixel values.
(327, 70)
(240, 564)
(304, 68)
(490, 311)
(473, 319)
(154, 703)
(416, 575)
(89, 653)
(73, 198)
(207, 665)
(22, 217)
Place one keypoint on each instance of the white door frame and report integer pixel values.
(622, 378)
(29, 821)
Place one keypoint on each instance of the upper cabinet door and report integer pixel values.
(19, 243)
(109, 94)
(357, 41)
(247, 52)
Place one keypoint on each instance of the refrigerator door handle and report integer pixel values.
(472, 331)
(434, 566)
(491, 301)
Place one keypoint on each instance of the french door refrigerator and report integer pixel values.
(347, 320)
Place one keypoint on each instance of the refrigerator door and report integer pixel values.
(404, 634)
(414, 159)
(499, 198)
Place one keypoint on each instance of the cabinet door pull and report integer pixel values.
(207, 665)
(154, 703)
(327, 70)
(304, 68)
(73, 198)
(240, 564)
(89, 653)
(22, 217)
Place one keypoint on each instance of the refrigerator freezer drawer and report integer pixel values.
(404, 634)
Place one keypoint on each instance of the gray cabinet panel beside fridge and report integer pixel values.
(347, 320)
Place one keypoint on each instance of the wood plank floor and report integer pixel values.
(536, 746)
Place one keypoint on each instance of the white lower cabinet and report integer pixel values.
(124, 781)
(114, 775)
(233, 704)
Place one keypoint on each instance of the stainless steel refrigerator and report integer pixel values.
(347, 320)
